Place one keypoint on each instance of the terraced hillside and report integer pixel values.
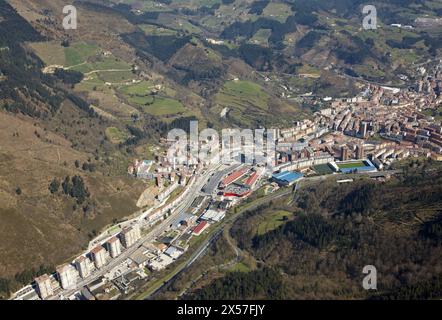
(76, 106)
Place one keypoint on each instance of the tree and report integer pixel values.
(5, 286)
(67, 185)
(54, 186)
(79, 190)
(18, 191)
(65, 43)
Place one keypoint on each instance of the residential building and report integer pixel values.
(66, 276)
(359, 152)
(129, 236)
(344, 153)
(44, 286)
(99, 256)
(114, 247)
(82, 265)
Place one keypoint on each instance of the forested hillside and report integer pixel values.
(23, 87)
(337, 230)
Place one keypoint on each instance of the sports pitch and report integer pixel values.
(351, 165)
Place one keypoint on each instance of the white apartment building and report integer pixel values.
(114, 247)
(82, 265)
(129, 236)
(44, 286)
(66, 276)
(99, 256)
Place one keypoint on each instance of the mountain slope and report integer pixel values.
(48, 134)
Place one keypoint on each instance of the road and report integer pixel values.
(215, 233)
(192, 194)
(231, 219)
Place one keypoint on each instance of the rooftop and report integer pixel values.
(97, 249)
(63, 268)
(112, 240)
(200, 227)
(81, 259)
(288, 176)
(42, 278)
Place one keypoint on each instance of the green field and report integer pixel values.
(323, 169)
(351, 165)
(164, 106)
(141, 88)
(368, 71)
(79, 52)
(152, 30)
(243, 94)
(115, 135)
(51, 53)
(155, 101)
(272, 221)
(240, 267)
(261, 37)
(277, 11)
(139, 94)
(141, 100)
(116, 76)
(102, 63)
(92, 83)
(87, 59)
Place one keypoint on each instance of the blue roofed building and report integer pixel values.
(287, 178)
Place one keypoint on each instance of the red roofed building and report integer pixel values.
(233, 177)
(252, 179)
(236, 190)
(200, 228)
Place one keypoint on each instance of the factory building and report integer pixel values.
(99, 256)
(129, 236)
(114, 247)
(82, 265)
(233, 177)
(66, 276)
(213, 216)
(237, 190)
(253, 178)
(44, 286)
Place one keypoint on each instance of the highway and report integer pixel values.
(191, 194)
